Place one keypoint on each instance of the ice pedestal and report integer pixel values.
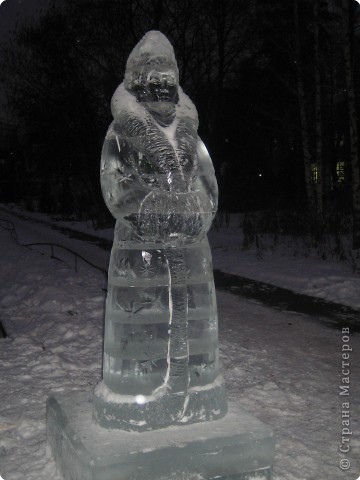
(160, 412)
(236, 447)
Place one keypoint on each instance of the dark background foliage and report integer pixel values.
(269, 80)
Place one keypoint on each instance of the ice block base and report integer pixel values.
(235, 447)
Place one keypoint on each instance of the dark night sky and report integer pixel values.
(14, 12)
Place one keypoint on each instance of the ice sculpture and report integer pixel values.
(161, 366)
(161, 362)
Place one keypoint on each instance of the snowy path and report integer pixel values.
(290, 265)
(330, 313)
(334, 315)
(282, 367)
(31, 231)
(286, 370)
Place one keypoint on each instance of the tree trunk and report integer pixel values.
(310, 194)
(319, 186)
(353, 124)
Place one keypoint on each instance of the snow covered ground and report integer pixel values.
(284, 368)
(289, 265)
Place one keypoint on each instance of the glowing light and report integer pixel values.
(140, 399)
(203, 149)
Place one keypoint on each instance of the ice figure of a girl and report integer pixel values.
(161, 364)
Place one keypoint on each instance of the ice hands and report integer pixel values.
(170, 217)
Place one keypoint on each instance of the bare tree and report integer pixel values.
(353, 121)
(308, 157)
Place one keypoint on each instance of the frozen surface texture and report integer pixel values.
(236, 447)
(161, 362)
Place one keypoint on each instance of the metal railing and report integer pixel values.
(8, 225)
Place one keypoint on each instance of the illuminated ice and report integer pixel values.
(161, 333)
(161, 362)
